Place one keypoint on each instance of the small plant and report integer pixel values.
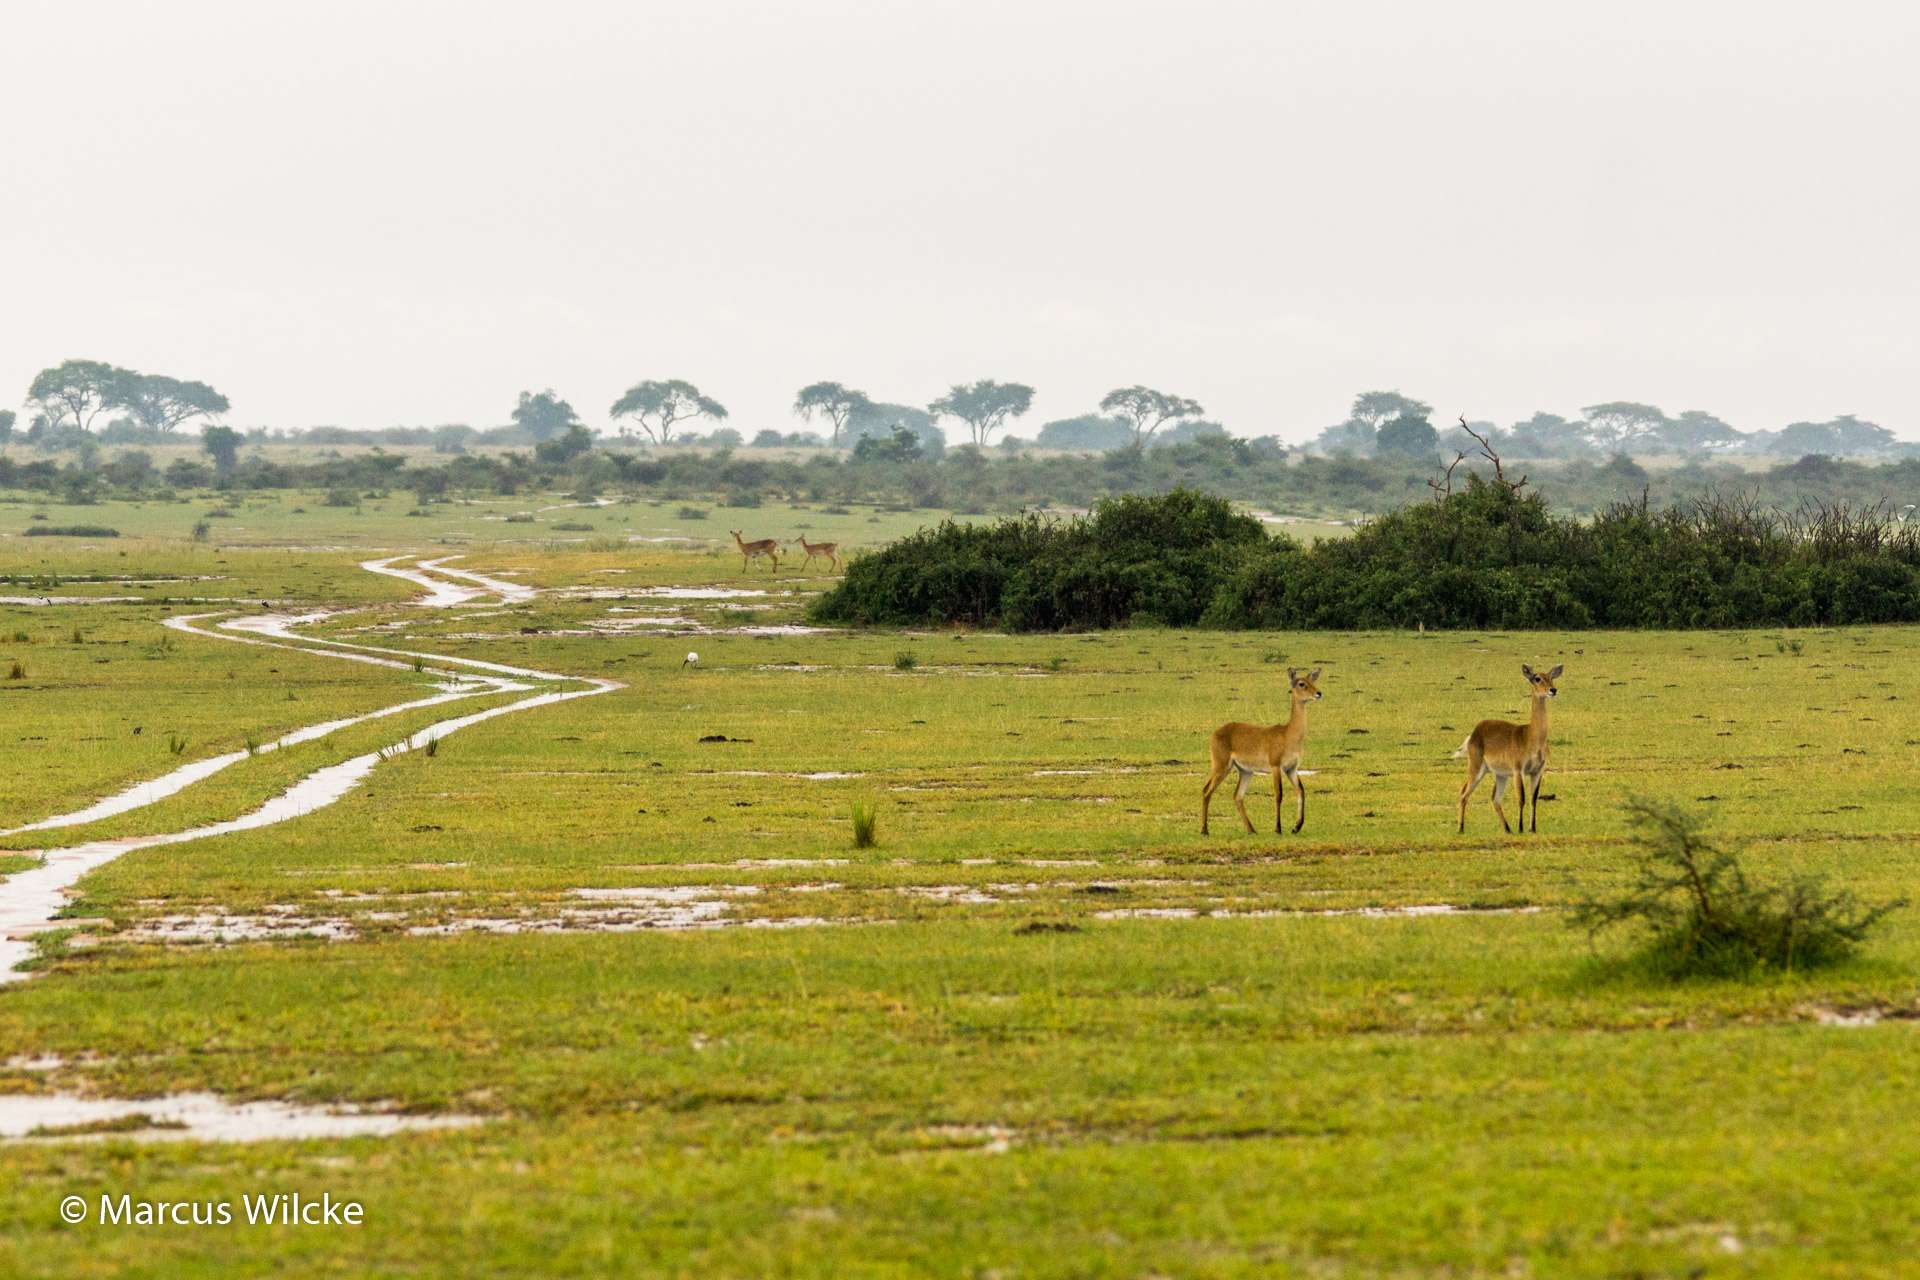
(905, 660)
(253, 746)
(176, 745)
(1704, 916)
(21, 637)
(866, 824)
(1789, 646)
(1056, 664)
(521, 518)
(692, 513)
(77, 637)
(1275, 656)
(17, 672)
(200, 530)
(573, 526)
(433, 747)
(419, 664)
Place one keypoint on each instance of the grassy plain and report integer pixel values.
(1197, 1068)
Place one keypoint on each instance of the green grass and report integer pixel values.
(919, 1089)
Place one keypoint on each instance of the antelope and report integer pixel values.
(751, 551)
(1250, 748)
(831, 550)
(1507, 749)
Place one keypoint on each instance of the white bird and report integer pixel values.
(693, 659)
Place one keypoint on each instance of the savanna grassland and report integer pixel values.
(1042, 1027)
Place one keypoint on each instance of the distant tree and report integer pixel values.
(984, 407)
(564, 448)
(1547, 435)
(1088, 431)
(160, 403)
(878, 419)
(1621, 424)
(223, 444)
(544, 415)
(902, 445)
(724, 438)
(6, 425)
(1351, 436)
(1377, 408)
(1408, 434)
(830, 400)
(1147, 410)
(1189, 431)
(73, 392)
(1844, 436)
(658, 405)
(1697, 431)
(769, 439)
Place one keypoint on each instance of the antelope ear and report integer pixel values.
(1555, 673)
(1315, 677)
(1292, 672)
(1526, 671)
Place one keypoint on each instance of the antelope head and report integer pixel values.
(1303, 686)
(1542, 681)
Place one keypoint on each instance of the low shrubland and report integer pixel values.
(1488, 556)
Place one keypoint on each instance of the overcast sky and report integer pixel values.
(391, 213)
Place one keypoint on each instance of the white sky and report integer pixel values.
(389, 213)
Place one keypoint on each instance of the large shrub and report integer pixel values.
(1136, 559)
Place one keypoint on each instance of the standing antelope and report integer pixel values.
(1250, 748)
(751, 551)
(831, 550)
(1507, 749)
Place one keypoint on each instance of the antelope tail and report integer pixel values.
(1465, 742)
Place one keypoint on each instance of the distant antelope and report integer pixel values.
(1507, 749)
(1250, 748)
(831, 550)
(751, 551)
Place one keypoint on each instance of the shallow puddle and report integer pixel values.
(194, 1117)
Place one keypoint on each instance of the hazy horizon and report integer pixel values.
(369, 216)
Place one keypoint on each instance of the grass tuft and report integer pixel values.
(905, 660)
(866, 824)
(18, 671)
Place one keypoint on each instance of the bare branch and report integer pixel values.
(1487, 452)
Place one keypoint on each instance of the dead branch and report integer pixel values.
(1442, 493)
(1487, 452)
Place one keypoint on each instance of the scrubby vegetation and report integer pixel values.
(1492, 555)
(1703, 915)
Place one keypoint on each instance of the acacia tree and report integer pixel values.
(1697, 431)
(544, 415)
(74, 390)
(656, 406)
(1377, 408)
(1620, 423)
(831, 401)
(984, 407)
(161, 403)
(1147, 410)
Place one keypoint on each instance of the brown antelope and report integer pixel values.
(831, 550)
(1250, 749)
(751, 551)
(1508, 749)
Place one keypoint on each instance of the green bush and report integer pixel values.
(1162, 555)
(1702, 915)
(72, 531)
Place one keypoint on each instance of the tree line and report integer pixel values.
(1388, 422)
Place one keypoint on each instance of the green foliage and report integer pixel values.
(1704, 916)
(18, 671)
(905, 660)
(564, 448)
(866, 823)
(72, 531)
(542, 415)
(657, 406)
(901, 445)
(1162, 557)
(985, 406)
